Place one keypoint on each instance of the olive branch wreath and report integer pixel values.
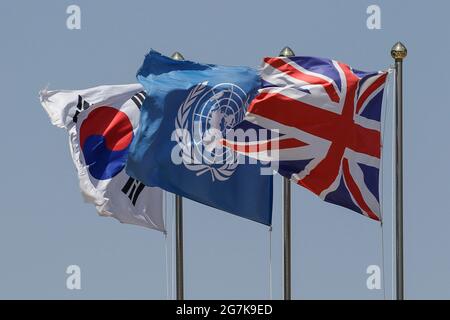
(221, 173)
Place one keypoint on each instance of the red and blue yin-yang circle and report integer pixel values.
(105, 137)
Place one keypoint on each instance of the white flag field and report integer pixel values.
(101, 123)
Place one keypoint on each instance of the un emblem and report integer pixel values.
(202, 120)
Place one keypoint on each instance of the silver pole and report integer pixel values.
(179, 246)
(179, 230)
(287, 237)
(287, 52)
(399, 52)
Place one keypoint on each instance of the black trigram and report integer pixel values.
(139, 98)
(133, 189)
(81, 105)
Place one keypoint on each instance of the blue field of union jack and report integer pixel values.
(325, 119)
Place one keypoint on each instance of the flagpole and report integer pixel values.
(287, 52)
(179, 230)
(399, 52)
(179, 246)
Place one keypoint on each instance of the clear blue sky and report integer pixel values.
(45, 226)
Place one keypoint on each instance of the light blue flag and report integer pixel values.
(189, 106)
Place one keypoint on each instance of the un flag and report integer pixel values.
(189, 107)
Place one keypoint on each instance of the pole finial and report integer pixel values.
(286, 52)
(399, 51)
(177, 56)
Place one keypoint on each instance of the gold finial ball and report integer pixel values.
(398, 51)
(177, 56)
(287, 52)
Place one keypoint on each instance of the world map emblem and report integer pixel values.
(205, 113)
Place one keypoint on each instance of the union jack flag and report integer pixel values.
(325, 119)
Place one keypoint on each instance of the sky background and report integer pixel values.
(45, 226)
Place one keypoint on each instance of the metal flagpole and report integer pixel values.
(399, 52)
(179, 230)
(287, 52)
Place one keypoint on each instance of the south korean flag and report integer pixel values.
(102, 123)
